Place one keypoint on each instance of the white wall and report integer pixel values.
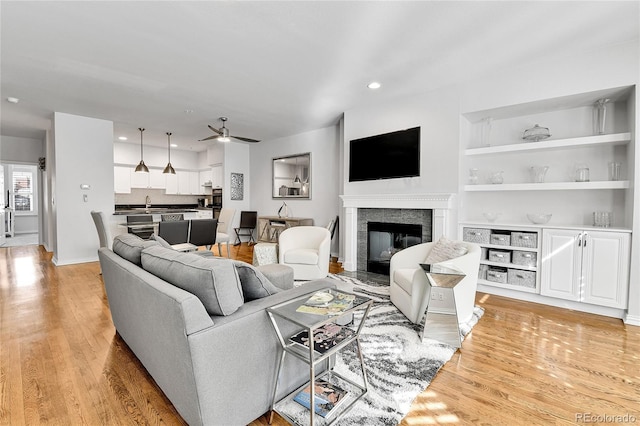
(83, 155)
(324, 146)
(155, 157)
(236, 160)
(437, 114)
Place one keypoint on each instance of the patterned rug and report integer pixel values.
(399, 365)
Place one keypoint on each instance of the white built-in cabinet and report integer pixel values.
(586, 265)
(184, 182)
(577, 261)
(217, 180)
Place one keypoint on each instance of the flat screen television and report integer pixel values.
(387, 156)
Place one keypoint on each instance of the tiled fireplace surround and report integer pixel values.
(357, 207)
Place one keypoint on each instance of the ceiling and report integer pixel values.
(274, 69)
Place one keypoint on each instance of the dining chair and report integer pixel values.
(203, 232)
(224, 222)
(174, 231)
(248, 221)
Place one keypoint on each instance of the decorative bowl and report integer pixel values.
(539, 218)
(491, 216)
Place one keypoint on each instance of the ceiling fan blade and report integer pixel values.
(245, 139)
(215, 130)
(209, 138)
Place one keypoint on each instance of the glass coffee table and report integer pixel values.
(327, 315)
(441, 323)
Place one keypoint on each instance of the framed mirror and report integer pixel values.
(292, 176)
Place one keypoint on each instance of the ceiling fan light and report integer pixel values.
(223, 139)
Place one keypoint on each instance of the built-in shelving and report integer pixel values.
(549, 186)
(586, 141)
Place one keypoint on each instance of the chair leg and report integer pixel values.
(228, 255)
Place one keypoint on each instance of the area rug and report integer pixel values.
(399, 366)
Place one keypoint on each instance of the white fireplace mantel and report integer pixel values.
(440, 203)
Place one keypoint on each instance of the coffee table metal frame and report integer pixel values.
(310, 322)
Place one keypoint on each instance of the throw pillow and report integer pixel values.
(129, 246)
(215, 283)
(254, 284)
(445, 249)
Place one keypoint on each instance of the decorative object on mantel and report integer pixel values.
(485, 132)
(283, 211)
(599, 116)
(169, 169)
(538, 173)
(141, 167)
(602, 219)
(237, 186)
(536, 134)
(615, 170)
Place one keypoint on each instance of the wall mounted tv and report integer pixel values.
(388, 156)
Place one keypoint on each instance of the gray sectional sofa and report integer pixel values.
(200, 328)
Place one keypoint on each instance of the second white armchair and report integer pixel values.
(306, 250)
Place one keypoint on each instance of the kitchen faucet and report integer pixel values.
(147, 202)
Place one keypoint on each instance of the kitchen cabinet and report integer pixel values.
(157, 179)
(122, 180)
(205, 178)
(586, 265)
(171, 184)
(154, 179)
(217, 176)
(183, 182)
(194, 184)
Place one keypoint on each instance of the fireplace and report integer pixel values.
(386, 239)
(359, 209)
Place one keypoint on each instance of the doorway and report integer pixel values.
(20, 194)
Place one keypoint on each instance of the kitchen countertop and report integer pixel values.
(134, 209)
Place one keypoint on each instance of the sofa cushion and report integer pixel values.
(301, 256)
(129, 246)
(445, 249)
(215, 283)
(254, 283)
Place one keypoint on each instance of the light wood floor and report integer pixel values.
(61, 362)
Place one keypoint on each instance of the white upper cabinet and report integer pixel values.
(122, 180)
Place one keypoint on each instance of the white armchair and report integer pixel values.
(408, 282)
(306, 250)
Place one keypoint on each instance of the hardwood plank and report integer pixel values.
(61, 361)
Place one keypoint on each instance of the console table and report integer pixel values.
(265, 226)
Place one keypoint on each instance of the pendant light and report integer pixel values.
(141, 167)
(297, 179)
(169, 168)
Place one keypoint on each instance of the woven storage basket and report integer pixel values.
(524, 239)
(524, 258)
(521, 278)
(476, 235)
(497, 275)
(501, 256)
(501, 239)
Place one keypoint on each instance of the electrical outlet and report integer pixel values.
(434, 296)
(440, 296)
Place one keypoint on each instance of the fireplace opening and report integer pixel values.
(386, 239)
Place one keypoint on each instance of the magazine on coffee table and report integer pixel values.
(325, 337)
(327, 302)
(328, 397)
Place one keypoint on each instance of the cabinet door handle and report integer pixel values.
(580, 240)
(584, 244)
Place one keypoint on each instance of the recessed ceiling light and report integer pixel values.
(374, 85)
(173, 145)
(122, 138)
(13, 100)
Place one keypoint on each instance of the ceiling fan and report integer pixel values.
(222, 134)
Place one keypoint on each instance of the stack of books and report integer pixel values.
(327, 303)
(327, 397)
(324, 338)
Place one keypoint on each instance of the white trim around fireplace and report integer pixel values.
(440, 203)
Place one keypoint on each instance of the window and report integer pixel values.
(22, 191)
